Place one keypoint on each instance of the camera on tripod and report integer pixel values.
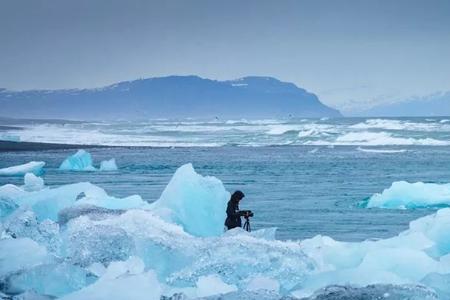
(246, 213)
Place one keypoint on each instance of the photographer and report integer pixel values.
(233, 213)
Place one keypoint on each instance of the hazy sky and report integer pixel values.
(351, 53)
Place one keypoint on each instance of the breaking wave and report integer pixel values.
(217, 133)
(381, 150)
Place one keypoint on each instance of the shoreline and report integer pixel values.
(10, 146)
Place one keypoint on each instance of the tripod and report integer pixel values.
(247, 224)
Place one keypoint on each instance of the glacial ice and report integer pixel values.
(108, 165)
(48, 202)
(404, 195)
(122, 280)
(35, 167)
(32, 182)
(19, 254)
(55, 279)
(207, 198)
(78, 242)
(212, 285)
(80, 161)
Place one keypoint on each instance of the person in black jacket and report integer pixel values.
(233, 214)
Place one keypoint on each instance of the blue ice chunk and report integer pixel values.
(7, 207)
(403, 195)
(19, 254)
(48, 202)
(86, 243)
(80, 161)
(35, 167)
(50, 279)
(23, 224)
(195, 202)
(122, 280)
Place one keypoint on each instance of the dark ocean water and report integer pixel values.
(302, 190)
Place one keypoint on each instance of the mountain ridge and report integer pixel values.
(169, 97)
(434, 105)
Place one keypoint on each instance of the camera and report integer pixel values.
(246, 213)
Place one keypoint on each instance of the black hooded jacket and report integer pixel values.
(233, 216)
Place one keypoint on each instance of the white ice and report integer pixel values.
(402, 194)
(32, 182)
(108, 165)
(35, 167)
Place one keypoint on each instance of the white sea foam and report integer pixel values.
(217, 133)
(368, 138)
(371, 150)
(392, 124)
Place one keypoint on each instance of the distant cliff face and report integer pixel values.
(169, 97)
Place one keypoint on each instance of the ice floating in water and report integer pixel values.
(195, 202)
(108, 165)
(47, 203)
(34, 167)
(77, 242)
(32, 182)
(82, 161)
(403, 195)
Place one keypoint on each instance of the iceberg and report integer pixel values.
(108, 165)
(35, 167)
(80, 161)
(195, 202)
(32, 182)
(404, 195)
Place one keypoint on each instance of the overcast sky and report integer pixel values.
(351, 53)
